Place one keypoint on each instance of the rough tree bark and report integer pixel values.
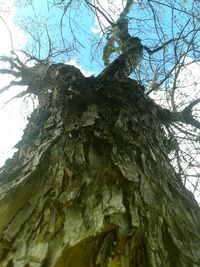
(91, 184)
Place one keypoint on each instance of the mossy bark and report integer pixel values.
(91, 185)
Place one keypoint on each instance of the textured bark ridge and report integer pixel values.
(131, 52)
(91, 185)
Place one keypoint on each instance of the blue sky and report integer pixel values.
(89, 53)
(13, 115)
(82, 22)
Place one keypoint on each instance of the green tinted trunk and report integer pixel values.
(92, 186)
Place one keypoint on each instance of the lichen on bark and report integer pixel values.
(91, 185)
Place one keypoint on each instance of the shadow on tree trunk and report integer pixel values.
(91, 185)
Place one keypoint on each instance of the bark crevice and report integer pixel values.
(93, 186)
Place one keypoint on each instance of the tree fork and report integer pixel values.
(91, 185)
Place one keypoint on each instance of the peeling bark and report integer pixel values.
(91, 185)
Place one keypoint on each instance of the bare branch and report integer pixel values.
(168, 42)
(94, 8)
(9, 31)
(175, 8)
(17, 96)
(188, 109)
(184, 116)
(11, 72)
(12, 83)
(61, 20)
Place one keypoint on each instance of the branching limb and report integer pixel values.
(172, 40)
(23, 75)
(175, 8)
(187, 116)
(126, 9)
(12, 83)
(17, 96)
(150, 52)
(11, 72)
(189, 108)
(15, 69)
(9, 31)
(15, 62)
(184, 116)
(96, 8)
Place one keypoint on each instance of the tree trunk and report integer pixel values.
(92, 186)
